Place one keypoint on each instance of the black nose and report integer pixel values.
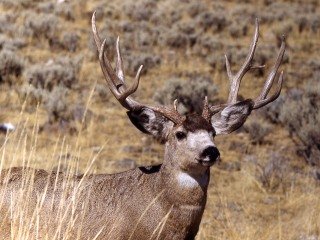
(211, 152)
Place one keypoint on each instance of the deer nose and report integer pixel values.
(210, 154)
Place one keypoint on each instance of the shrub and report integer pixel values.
(62, 71)
(212, 20)
(11, 44)
(56, 105)
(61, 114)
(20, 3)
(175, 39)
(299, 112)
(49, 83)
(277, 11)
(46, 7)
(102, 91)
(135, 60)
(272, 111)
(238, 29)
(308, 22)
(257, 129)
(208, 45)
(147, 36)
(283, 28)
(274, 173)
(189, 91)
(217, 62)
(39, 25)
(11, 66)
(6, 22)
(32, 95)
(70, 41)
(175, 15)
(195, 9)
(65, 10)
(243, 14)
(141, 11)
(187, 27)
(110, 42)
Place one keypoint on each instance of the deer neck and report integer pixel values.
(182, 186)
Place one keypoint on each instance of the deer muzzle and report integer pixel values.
(209, 156)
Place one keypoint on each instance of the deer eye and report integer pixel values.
(180, 135)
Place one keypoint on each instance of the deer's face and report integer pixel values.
(191, 145)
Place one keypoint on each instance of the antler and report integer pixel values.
(235, 80)
(116, 80)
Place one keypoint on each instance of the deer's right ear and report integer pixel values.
(150, 122)
(232, 117)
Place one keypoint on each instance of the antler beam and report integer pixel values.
(116, 80)
(235, 80)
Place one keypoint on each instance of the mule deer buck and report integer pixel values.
(158, 202)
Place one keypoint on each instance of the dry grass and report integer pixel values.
(240, 205)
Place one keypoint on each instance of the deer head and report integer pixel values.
(189, 139)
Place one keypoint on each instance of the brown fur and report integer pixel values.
(117, 202)
(195, 122)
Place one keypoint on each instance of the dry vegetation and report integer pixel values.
(267, 185)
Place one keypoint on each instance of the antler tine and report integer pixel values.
(116, 80)
(206, 111)
(98, 43)
(235, 80)
(169, 113)
(124, 95)
(265, 101)
(94, 30)
(106, 71)
(273, 72)
(133, 87)
(119, 63)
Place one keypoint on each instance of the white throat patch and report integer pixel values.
(187, 181)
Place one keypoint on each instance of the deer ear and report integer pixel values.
(232, 117)
(150, 122)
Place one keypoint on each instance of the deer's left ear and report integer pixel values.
(151, 122)
(232, 117)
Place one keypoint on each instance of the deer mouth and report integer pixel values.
(207, 162)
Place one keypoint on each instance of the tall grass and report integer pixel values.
(28, 208)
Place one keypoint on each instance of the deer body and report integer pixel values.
(117, 202)
(160, 202)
